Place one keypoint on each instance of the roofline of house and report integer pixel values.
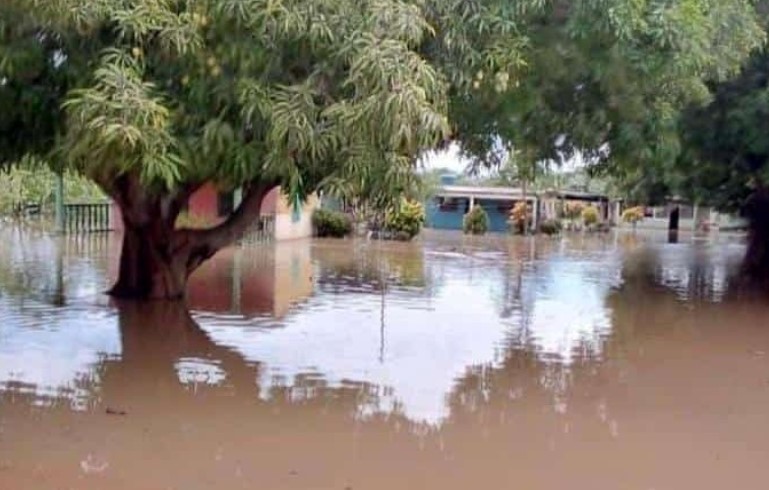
(503, 193)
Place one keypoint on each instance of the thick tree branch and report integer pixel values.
(237, 223)
(172, 206)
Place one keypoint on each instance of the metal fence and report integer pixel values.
(261, 231)
(87, 218)
(95, 218)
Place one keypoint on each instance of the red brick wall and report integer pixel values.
(270, 202)
(204, 202)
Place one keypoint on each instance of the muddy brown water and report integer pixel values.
(611, 362)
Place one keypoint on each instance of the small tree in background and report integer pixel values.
(476, 221)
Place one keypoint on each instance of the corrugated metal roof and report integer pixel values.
(514, 193)
(483, 192)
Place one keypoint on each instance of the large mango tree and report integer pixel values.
(153, 98)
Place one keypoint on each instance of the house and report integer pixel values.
(554, 201)
(447, 208)
(451, 202)
(287, 221)
(278, 219)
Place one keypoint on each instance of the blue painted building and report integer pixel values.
(446, 210)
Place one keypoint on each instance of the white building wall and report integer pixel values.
(288, 229)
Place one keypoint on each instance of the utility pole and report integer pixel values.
(59, 201)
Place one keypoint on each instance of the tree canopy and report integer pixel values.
(606, 79)
(181, 92)
(719, 153)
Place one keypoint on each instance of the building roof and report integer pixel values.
(498, 193)
(515, 193)
(576, 195)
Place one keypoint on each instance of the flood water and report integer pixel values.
(596, 362)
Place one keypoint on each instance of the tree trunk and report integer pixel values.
(149, 267)
(157, 259)
(756, 263)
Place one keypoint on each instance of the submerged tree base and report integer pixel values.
(155, 264)
(157, 258)
(756, 264)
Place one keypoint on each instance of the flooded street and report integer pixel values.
(597, 362)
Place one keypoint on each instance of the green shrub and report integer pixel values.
(550, 227)
(331, 223)
(590, 215)
(406, 222)
(476, 222)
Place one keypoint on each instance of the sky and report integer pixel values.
(451, 158)
(448, 158)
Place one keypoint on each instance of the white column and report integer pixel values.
(472, 202)
(534, 214)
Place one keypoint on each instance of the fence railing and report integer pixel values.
(261, 231)
(95, 217)
(87, 218)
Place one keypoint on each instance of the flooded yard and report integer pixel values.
(617, 361)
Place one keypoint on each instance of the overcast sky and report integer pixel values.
(450, 158)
